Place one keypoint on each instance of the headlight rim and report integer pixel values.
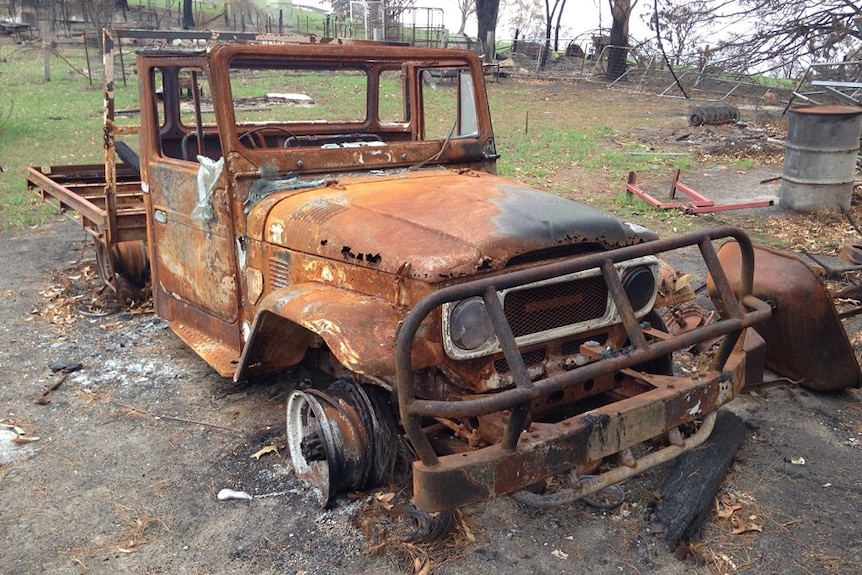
(487, 337)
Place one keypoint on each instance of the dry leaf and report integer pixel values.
(263, 451)
(24, 439)
(740, 526)
(725, 512)
(385, 499)
(683, 281)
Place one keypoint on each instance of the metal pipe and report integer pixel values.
(411, 408)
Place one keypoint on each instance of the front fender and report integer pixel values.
(358, 329)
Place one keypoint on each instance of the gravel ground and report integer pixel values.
(135, 445)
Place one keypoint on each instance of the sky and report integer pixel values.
(580, 16)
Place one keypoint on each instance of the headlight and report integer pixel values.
(469, 325)
(639, 284)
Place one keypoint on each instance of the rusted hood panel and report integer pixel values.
(442, 223)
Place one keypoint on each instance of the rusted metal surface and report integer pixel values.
(495, 312)
(805, 338)
(358, 329)
(193, 262)
(503, 467)
(108, 134)
(697, 204)
(81, 189)
(583, 487)
(383, 222)
(131, 261)
(114, 221)
(108, 198)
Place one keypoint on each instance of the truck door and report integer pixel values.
(194, 260)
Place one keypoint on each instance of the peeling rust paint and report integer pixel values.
(401, 217)
(356, 255)
(641, 407)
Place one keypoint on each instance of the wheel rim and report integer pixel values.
(344, 439)
(331, 440)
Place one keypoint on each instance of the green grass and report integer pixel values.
(46, 123)
(555, 139)
(543, 150)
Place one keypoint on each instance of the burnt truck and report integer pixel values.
(337, 207)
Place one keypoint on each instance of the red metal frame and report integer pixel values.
(698, 204)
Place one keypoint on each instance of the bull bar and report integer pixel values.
(520, 459)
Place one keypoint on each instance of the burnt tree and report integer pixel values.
(486, 15)
(188, 15)
(621, 11)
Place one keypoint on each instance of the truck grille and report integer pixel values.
(551, 306)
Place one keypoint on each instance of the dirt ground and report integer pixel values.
(134, 446)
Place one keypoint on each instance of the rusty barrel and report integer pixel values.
(820, 157)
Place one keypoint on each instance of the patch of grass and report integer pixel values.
(548, 152)
(745, 163)
(539, 138)
(46, 123)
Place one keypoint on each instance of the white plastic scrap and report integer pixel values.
(226, 494)
(208, 174)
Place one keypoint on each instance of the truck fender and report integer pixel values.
(358, 329)
(805, 339)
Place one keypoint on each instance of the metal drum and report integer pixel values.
(820, 157)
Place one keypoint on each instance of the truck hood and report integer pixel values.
(441, 223)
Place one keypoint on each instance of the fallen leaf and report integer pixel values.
(385, 499)
(24, 439)
(725, 512)
(263, 451)
(468, 533)
(560, 554)
(683, 281)
(741, 526)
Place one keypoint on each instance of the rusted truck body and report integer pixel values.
(337, 206)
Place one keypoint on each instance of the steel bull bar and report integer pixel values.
(522, 457)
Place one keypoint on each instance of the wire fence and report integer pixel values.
(622, 67)
(587, 57)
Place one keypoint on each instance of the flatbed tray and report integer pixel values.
(81, 189)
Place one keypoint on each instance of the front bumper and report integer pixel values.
(527, 455)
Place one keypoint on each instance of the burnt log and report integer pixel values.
(688, 492)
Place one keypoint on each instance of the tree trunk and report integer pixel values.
(486, 15)
(618, 52)
(188, 15)
(557, 27)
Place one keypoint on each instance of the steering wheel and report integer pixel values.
(256, 138)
